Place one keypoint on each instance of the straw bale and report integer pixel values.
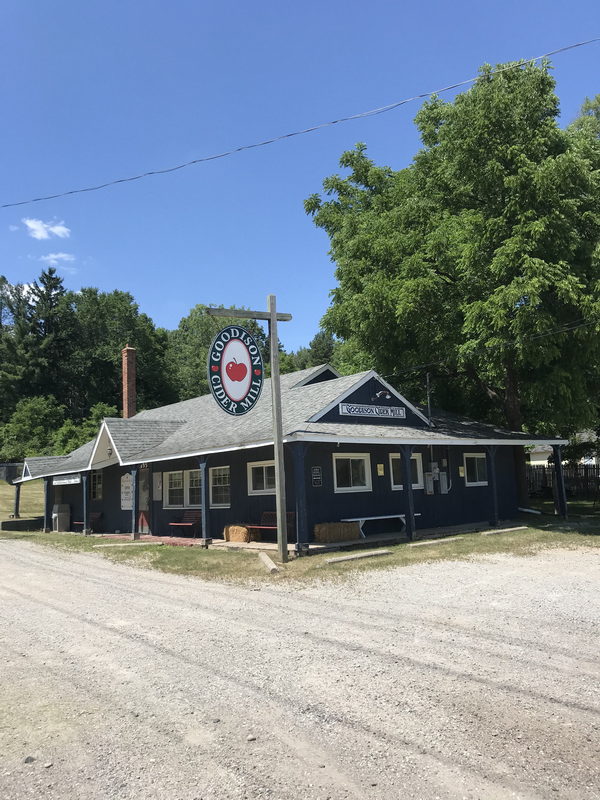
(236, 533)
(336, 531)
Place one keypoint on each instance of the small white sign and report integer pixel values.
(65, 480)
(126, 492)
(356, 410)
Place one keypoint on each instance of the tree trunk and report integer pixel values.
(514, 419)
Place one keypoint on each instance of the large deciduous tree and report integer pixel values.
(480, 261)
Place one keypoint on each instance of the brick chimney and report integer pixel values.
(129, 378)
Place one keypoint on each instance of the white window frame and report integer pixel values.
(211, 470)
(252, 465)
(96, 482)
(366, 457)
(186, 488)
(420, 484)
(474, 455)
(166, 503)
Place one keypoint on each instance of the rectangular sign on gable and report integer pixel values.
(358, 410)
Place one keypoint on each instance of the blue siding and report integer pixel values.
(462, 504)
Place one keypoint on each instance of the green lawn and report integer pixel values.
(242, 566)
(32, 499)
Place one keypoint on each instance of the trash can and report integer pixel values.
(61, 517)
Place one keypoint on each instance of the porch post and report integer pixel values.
(47, 506)
(16, 514)
(86, 503)
(298, 455)
(202, 461)
(406, 451)
(491, 471)
(561, 494)
(134, 500)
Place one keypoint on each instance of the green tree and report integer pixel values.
(480, 259)
(105, 323)
(30, 429)
(588, 120)
(72, 435)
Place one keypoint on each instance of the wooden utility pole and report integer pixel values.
(272, 317)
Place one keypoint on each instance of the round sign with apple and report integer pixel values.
(235, 370)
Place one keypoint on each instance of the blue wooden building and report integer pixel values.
(354, 449)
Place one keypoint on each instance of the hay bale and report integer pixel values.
(236, 533)
(336, 531)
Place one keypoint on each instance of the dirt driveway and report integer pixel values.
(450, 680)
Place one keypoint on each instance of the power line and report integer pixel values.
(362, 115)
(567, 327)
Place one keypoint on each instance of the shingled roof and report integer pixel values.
(197, 426)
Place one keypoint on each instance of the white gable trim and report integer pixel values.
(315, 374)
(106, 462)
(371, 374)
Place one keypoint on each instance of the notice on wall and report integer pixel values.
(316, 474)
(157, 486)
(126, 492)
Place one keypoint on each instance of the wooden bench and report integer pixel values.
(268, 522)
(362, 520)
(95, 517)
(190, 519)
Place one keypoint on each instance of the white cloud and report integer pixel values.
(38, 229)
(59, 260)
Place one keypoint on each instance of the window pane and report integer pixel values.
(195, 488)
(270, 477)
(175, 489)
(481, 469)
(396, 471)
(359, 475)
(471, 468)
(220, 486)
(258, 479)
(342, 473)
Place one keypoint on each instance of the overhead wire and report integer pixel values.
(362, 115)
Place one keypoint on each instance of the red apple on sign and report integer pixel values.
(214, 368)
(257, 372)
(235, 371)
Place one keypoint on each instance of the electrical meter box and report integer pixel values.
(443, 483)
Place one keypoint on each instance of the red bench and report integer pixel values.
(268, 522)
(190, 520)
(95, 517)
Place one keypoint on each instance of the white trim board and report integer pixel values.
(415, 441)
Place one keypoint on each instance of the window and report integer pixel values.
(261, 477)
(352, 472)
(416, 469)
(173, 489)
(193, 486)
(96, 485)
(475, 469)
(220, 486)
(182, 489)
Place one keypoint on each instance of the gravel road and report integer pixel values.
(447, 680)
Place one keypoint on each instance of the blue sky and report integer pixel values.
(100, 90)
